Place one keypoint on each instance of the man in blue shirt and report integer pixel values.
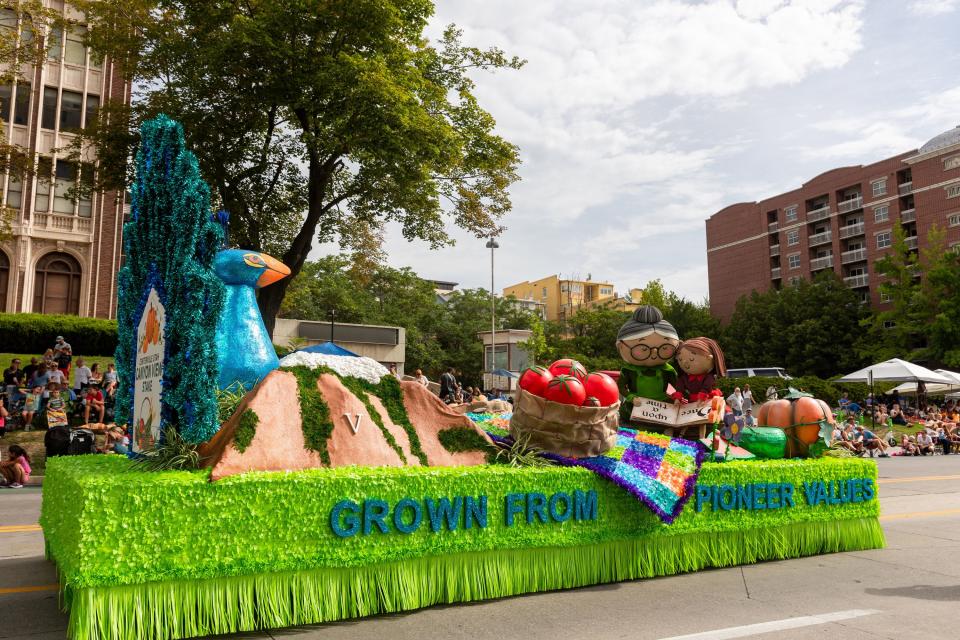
(872, 442)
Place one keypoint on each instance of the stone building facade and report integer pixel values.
(65, 252)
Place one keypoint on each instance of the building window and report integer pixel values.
(953, 191)
(544, 289)
(49, 117)
(93, 106)
(4, 279)
(889, 324)
(64, 179)
(75, 51)
(41, 202)
(20, 103)
(85, 194)
(71, 110)
(793, 237)
(884, 296)
(953, 220)
(881, 214)
(793, 261)
(794, 280)
(55, 45)
(879, 187)
(56, 288)
(790, 214)
(884, 240)
(953, 162)
(14, 191)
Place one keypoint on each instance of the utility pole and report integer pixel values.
(492, 244)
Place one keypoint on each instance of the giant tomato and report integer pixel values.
(535, 380)
(568, 367)
(603, 388)
(565, 390)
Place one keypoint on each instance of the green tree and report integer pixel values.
(810, 329)
(313, 119)
(898, 331)
(941, 269)
(536, 344)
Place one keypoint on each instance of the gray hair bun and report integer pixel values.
(647, 319)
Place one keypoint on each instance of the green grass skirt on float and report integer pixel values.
(145, 555)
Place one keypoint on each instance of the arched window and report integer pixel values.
(4, 280)
(56, 288)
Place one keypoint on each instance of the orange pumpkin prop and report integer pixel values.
(799, 418)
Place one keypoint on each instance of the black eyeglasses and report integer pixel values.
(643, 352)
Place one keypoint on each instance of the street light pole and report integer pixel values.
(333, 314)
(492, 244)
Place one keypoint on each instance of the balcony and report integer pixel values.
(774, 250)
(911, 242)
(855, 282)
(775, 273)
(818, 214)
(851, 230)
(773, 227)
(908, 215)
(821, 263)
(819, 238)
(905, 188)
(54, 222)
(855, 255)
(851, 204)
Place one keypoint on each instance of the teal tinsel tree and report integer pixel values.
(170, 242)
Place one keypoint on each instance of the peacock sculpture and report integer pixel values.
(245, 353)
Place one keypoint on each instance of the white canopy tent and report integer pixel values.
(910, 388)
(896, 370)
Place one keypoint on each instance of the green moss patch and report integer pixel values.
(314, 412)
(246, 429)
(460, 439)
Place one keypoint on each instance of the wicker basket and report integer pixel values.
(567, 430)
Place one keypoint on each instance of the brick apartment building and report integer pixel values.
(65, 253)
(842, 220)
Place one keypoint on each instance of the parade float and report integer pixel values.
(336, 491)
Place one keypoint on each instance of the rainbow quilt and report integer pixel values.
(659, 471)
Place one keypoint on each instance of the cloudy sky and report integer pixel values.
(639, 119)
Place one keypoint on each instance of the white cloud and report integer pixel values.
(933, 7)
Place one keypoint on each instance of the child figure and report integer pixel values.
(16, 469)
(700, 360)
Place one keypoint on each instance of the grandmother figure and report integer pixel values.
(646, 343)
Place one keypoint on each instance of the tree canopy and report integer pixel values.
(312, 119)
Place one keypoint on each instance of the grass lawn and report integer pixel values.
(5, 359)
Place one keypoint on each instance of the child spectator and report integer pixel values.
(31, 404)
(82, 375)
(925, 443)
(95, 374)
(110, 379)
(16, 468)
(55, 402)
(94, 401)
(908, 446)
(63, 354)
(57, 376)
(116, 441)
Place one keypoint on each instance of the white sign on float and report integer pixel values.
(148, 374)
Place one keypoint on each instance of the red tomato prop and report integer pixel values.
(535, 380)
(591, 402)
(603, 388)
(565, 390)
(568, 367)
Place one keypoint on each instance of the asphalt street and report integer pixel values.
(910, 589)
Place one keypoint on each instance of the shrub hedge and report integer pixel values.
(35, 333)
(826, 390)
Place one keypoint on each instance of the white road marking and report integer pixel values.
(775, 625)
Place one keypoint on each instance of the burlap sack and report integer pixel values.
(567, 430)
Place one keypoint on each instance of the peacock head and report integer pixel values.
(252, 268)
